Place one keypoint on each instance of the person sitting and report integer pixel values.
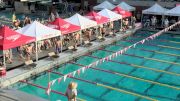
(71, 91)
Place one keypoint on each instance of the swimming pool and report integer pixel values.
(147, 72)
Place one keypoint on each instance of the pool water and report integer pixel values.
(158, 80)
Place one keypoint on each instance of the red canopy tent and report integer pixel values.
(10, 39)
(64, 26)
(98, 18)
(122, 12)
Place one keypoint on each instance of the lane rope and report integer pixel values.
(155, 45)
(141, 79)
(149, 68)
(109, 87)
(165, 53)
(38, 86)
(154, 59)
(161, 40)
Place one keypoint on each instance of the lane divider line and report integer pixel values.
(165, 53)
(38, 86)
(141, 79)
(109, 87)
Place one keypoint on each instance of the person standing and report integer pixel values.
(166, 23)
(71, 91)
(133, 21)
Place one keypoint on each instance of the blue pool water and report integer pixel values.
(140, 77)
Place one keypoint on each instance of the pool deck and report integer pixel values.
(23, 72)
(15, 95)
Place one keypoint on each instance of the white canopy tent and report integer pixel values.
(81, 21)
(126, 6)
(39, 31)
(103, 5)
(174, 11)
(110, 14)
(156, 9)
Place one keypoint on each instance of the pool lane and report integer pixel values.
(119, 80)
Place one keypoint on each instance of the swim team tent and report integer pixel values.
(64, 26)
(11, 39)
(126, 7)
(156, 9)
(39, 31)
(174, 11)
(122, 12)
(103, 5)
(81, 21)
(98, 18)
(109, 14)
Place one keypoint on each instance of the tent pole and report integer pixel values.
(141, 17)
(4, 59)
(121, 24)
(36, 51)
(163, 16)
(10, 53)
(61, 38)
(81, 37)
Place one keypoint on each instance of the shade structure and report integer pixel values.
(81, 21)
(126, 6)
(98, 18)
(64, 26)
(156, 9)
(174, 11)
(11, 39)
(103, 5)
(109, 14)
(122, 12)
(39, 31)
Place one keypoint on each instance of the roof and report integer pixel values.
(126, 6)
(110, 14)
(174, 11)
(103, 5)
(122, 12)
(10, 38)
(64, 26)
(98, 18)
(39, 31)
(81, 21)
(155, 9)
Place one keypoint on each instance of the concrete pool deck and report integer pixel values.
(22, 73)
(15, 95)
